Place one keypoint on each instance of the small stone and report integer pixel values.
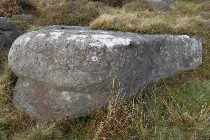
(8, 33)
(161, 5)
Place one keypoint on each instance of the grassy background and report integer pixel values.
(176, 108)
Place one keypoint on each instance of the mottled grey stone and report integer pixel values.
(84, 61)
(46, 103)
(164, 5)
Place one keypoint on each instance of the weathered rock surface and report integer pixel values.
(68, 71)
(46, 102)
(8, 33)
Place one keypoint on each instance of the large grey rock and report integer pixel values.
(81, 63)
(8, 33)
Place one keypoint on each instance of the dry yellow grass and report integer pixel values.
(9, 7)
(147, 22)
(68, 12)
(114, 124)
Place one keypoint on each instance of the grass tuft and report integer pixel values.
(41, 132)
